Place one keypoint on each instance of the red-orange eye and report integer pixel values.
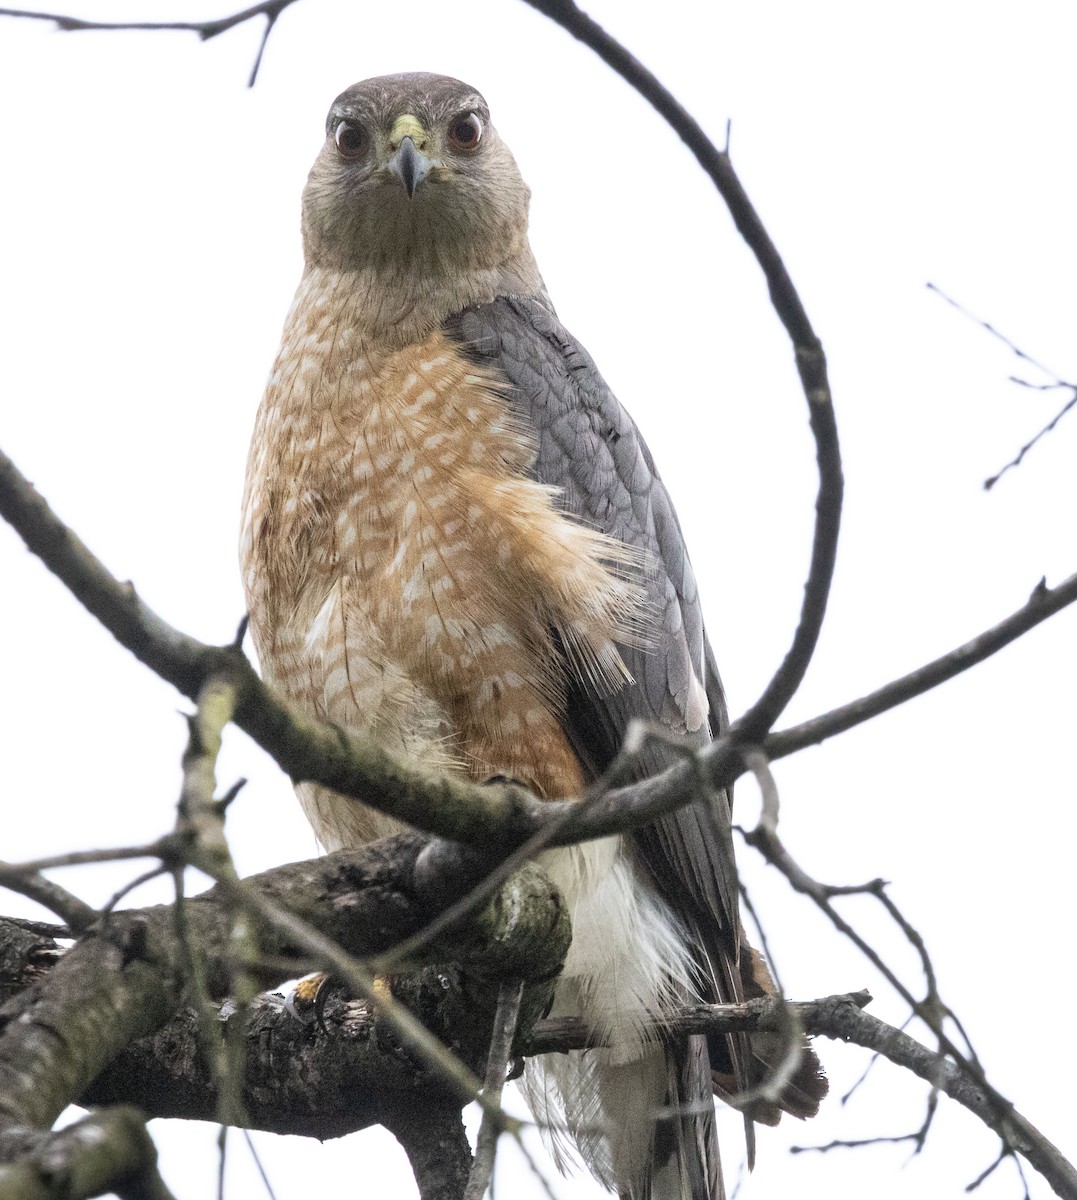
(351, 139)
(465, 132)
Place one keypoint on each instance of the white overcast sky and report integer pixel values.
(149, 249)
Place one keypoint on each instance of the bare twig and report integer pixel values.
(1018, 458)
(1056, 383)
(210, 1033)
(930, 1010)
(918, 1137)
(1042, 603)
(200, 820)
(204, 29)
(1004, 1153)
(81, 858)
(932, 287)
(497, 1061)
(270, 9)
(130, 886)
(559, 1034)
(953, 1079)
(259, 1165)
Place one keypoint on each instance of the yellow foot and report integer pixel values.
(307, 1001)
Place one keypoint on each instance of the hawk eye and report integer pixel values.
(465, 132)
(351, 139)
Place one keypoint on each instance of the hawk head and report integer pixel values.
(413, 179)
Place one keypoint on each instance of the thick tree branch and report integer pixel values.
(436, 1144)
(106, 1152)
(304, 1079)
(124, 980)
(320, 1078)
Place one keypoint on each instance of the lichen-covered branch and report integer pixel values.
(106, 1152)
(124, 980)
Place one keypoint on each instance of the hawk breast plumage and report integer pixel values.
(456, 541)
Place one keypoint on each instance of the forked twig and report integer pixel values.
(1056, 383)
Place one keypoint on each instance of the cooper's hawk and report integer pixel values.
(455, 541)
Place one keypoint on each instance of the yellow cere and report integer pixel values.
(407, 126)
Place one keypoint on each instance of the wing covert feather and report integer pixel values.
(588, 447)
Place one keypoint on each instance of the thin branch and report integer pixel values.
(1004, 1153)
(436, 1144)
(810, 359)
(497, 818)
(82, 858)
(130, 886)
(1016, 1132)
(204, 29)
(995, 333)
(270, 9)
(508, 1013)
(930, 1010)
(1018, 458)
(259, 1165)
(76, 913)
(1044, 602)
(1056, 382)
(200, 821)
(557, 1035)
(918, 1137)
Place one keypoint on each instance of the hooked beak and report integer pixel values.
(410, 165)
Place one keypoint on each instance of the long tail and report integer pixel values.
(644, 1128)
(685, 1163)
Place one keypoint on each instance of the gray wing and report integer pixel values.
(589, 448)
